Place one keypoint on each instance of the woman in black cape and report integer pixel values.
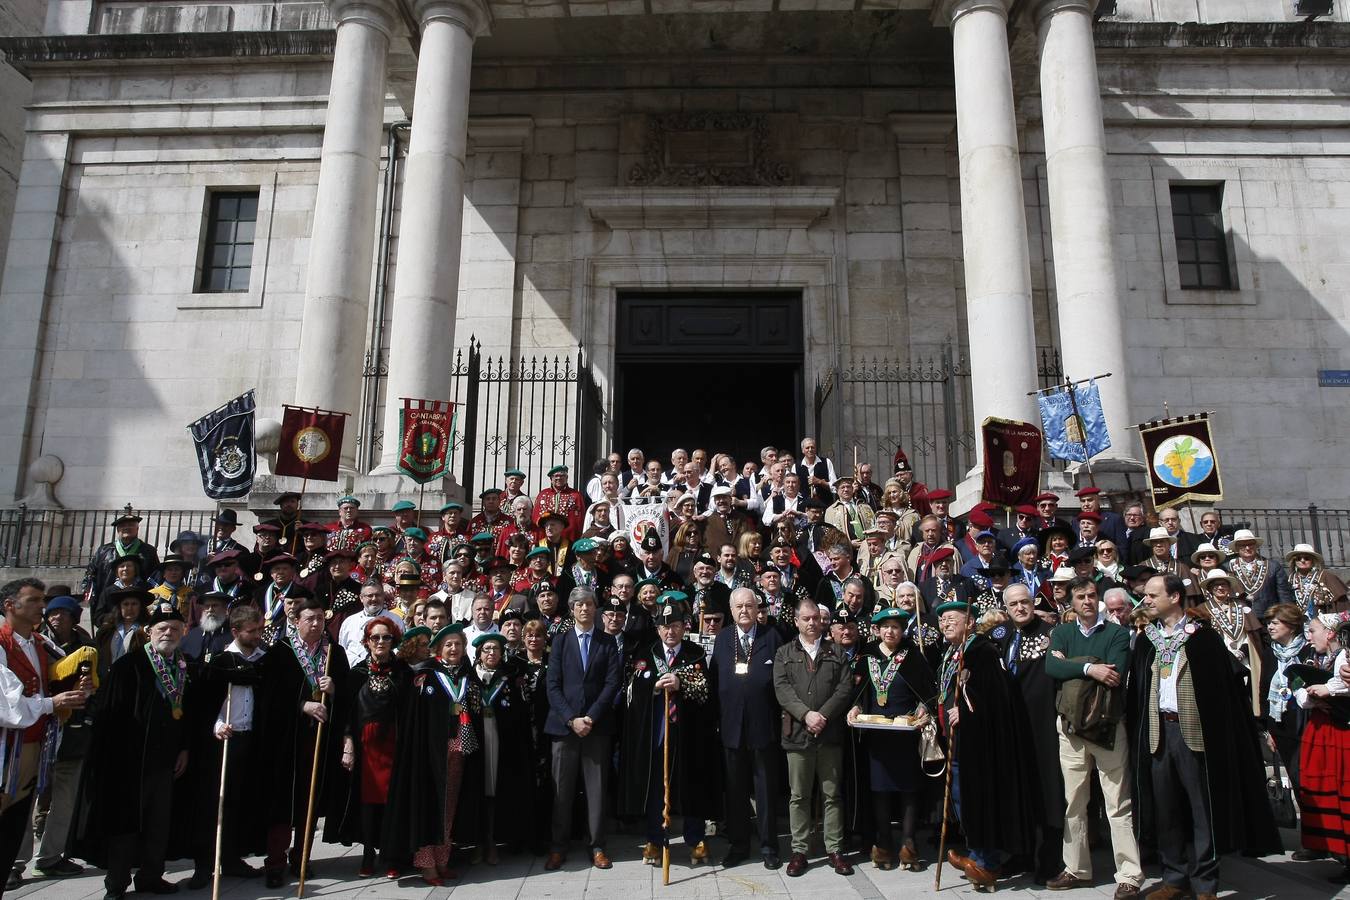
(508, 781)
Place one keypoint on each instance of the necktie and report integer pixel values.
(585, 649)
(1013, 651)
(745, 646)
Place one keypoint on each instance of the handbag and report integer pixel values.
(1281, 792)
(930, 749)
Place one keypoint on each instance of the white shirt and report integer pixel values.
(1167, 685)
(811, 649)
(461, 605)
(240, 702)
(1335, 685)
(472, 632)
(16, 710)
(790, 505)
(353, 630)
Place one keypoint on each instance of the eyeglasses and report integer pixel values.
(381, 638)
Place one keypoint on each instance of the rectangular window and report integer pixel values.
(1202, 244)
(228, 255)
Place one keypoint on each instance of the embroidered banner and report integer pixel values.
(224, 443)
(428, 427)
(1079, 436)
(311, 443)
(1012, 461)
(1182, 464)
(641, 516)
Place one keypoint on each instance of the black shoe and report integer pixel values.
(159, 886)
(64, 868)
(276, 878)
(771, 861)
(15, 879)
(237, 868)
(733, 859)
(200, 879)
(119, 895)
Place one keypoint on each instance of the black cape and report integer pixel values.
(414, 817)
(1038, 692)
(695, 760)
(363, 707)
(1240, 813)
(504, 699)
(999, 782)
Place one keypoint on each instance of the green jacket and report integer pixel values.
(802, 685)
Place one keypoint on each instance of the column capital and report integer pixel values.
(474, 16)
(1044, 9)
(378, 14)
(946, 12)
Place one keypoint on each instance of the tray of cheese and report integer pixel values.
(885, 723)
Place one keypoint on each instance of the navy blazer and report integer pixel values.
(749, 708)
(573, 693)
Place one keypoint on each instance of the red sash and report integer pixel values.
(23, 669)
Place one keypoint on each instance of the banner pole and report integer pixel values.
(421, 493)
(295, 528)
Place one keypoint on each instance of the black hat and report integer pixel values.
(223, 556)
(1043, 536)
(843, 615)
(172, 559)
(227, 517)
(164, 612)
(717, 604)
(616, 605)
(651, 540)
(216, 595)
(124, 518)
(707, 559)
(190, 537)
(998, 565)
(1134, 573)
(277, 559)
(1081, 554)
(812, 503)
(511, 614)
(284, 496)
(137, 591)
(671, 607)
(131, 558)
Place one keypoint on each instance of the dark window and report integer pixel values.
(1202, 245)
(228, 255)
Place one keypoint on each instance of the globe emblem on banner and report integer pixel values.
(311, 445)
(1183, 461)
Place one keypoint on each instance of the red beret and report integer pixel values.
(980, 519)
(1087, 491)
(1026, 510)
(940, 554)
(1046, 496)
(939, 494)
(985, 506)
(1087, 514)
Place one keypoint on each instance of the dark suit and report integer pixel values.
(751, 724)
(1112, 527)
(965, 590)
(581, 691)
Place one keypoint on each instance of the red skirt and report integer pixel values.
(1324, 785)
(377, 761)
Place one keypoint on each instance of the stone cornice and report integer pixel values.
(709, 207)
(26, 52)
(1225, 36)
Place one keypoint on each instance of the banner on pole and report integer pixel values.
(224, 442)
(1182, 464)
(641, 516)
(311, 443)
(1067, 435)
(1012, 461)
(427, 427)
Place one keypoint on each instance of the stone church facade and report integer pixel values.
(217, 196)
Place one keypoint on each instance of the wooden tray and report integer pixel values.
(877, 726)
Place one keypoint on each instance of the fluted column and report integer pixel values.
(426, 286)
(341, 242)
(993, 218)
(1087, 290)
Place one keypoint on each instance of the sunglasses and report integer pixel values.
(381, 638)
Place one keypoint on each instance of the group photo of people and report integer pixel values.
(777, 663)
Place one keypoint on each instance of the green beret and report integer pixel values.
(557, 470)
(416, 534)
(481, 536)
(646, 581)
(538, 551)
(487, 491)
(452, 628)
(516, 472)
(348, 499)
(490, 636)
(673, 597)
(416, 631)
(893, 612)
(451, 505)
(402, 505)
(381, 529)
(952, 606)
(585, 545)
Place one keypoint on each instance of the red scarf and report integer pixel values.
(21, 667)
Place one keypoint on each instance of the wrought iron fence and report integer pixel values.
(872, 406)
(54, 538)
(1328, 530)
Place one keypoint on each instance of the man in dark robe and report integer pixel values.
(211, 635)
(994, 779)
(223, 572)
(1199, 778)
(304, 672)
(673, 668)
(140, 747)
(1025, 640)
(126, 542)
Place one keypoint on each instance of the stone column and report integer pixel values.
(993, 218)
(342, 238)
(426, 280)
(1087, 291)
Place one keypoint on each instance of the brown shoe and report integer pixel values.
(909, 860)
(1067, 881)
(699, 854)
(797, 865)
(883, 859)
(1126, 891)
(957, 860)
(980, 878)
(841, 865)
(651, 855)
(554, 862)
(600, 860)
(1167, 891)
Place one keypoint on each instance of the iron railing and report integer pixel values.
(1327, 529)
(57, 538)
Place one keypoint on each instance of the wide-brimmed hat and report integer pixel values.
(1215, 575)
(1205, 549)
(1245, 536)
(1160, 534)
(1304, 550)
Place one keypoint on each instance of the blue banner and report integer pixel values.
(1066, 434)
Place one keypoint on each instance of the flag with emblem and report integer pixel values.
(1182, 463)
(428, 428)
(224, 442)
(311, 443)
(642, 516)
(1073, 422)
(1012, 461)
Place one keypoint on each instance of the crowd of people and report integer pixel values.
(514, 681)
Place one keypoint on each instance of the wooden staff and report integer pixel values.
(220, 803)
(299, 508)
(313, 780)
(947, 789)
(665, 812)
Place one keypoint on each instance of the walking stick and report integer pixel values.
(665, 812)
(313, 782)
(947, 789)
(220, 803)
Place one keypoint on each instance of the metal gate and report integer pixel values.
(871, 406)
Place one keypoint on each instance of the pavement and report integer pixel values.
(523, 876)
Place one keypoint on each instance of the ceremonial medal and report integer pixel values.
(178, 712)
(742, 668)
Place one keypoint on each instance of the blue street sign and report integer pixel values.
(1333, 377)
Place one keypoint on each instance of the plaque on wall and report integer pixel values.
(710, 148)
